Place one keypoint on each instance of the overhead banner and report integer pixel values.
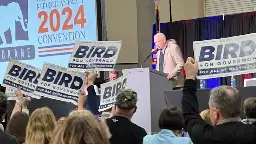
(226, 57)
(109, 92)
(59, 83)
(99, 55)
(23, 76)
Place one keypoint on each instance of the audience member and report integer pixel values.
(17, 126)
(113, 75)
(171, 124)
(225, 107)
(4, 137)
(80, 127)
(123, 131)
(93, 97)
(205, 115)
(40, 126)
(250, 111)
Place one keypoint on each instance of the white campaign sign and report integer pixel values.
(10, 93)
(109, 92)
(59, 83)
(99, 55)
(21, 75)
(226, 57)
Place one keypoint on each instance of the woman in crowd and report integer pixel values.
(40, 126)
(80, 127)
(171, 125)
(17, 126)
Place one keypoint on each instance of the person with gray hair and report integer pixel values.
(225, 108)
(225, 105)
(250, 111)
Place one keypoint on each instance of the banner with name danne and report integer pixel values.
(59, 83)
(21, 75)
(226, 57)
(109, 92)
(100, 55)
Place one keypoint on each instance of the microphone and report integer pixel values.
(154, 50)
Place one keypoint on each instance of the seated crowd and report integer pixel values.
(220, 124)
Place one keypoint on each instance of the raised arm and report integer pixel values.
(21, 103)
(189, 100)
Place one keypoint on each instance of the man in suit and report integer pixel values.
(169, 59)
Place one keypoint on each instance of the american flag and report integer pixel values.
(157, 16)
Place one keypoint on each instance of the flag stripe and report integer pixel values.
(55, 54)
(55, 50)
(63, 45)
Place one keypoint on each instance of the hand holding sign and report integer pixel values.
(92, 76)
(19, 93)
(22, 101)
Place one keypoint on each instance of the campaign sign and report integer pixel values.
(59, 83)
(109, 92)
(10, 93)
(23, 76)
(44, 30)
(100, 55)
(226, 57)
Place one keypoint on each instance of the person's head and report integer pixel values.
(40, 126)
(113, 75)
(250, 107)
(80, 127)
(224, 103)
(17, 126)
(3, 105)
(160, 40)
(126, 103)
(205, 115)
(171, 118)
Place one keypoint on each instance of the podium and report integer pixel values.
(150, 86)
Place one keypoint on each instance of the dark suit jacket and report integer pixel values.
(7, 139)
(202, 133)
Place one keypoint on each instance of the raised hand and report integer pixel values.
(191, 68)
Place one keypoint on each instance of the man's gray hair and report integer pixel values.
(227, 100)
